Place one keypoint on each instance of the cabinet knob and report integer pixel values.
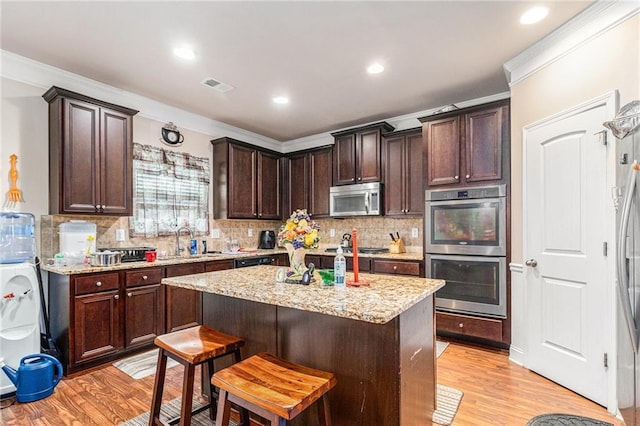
(144, 277)
(98, 283)
(353, 179)
(103, 207)
(360, 178)
(461, 325)
(117, 296)
(456, 177)
(395, 268)
(129, 294)
(97, 208)
(467, 176)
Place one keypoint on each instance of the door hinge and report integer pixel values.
(604, 249)
(602, 136)
(606, 360)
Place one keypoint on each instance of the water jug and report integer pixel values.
(17, 237)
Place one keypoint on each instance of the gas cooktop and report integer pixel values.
(130, 254)
(363, 250)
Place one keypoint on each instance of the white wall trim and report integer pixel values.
(593, 21)
(516, 349)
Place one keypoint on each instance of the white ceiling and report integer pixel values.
(435, 53)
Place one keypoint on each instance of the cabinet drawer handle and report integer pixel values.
(144, 277)
(98, 283)
(117, 296)
(461, 325)
(129, 294)
(467, 176)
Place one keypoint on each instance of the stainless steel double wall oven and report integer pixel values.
(465, 244)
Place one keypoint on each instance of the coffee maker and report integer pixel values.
(267, 240)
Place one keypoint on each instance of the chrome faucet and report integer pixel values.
(178, 248)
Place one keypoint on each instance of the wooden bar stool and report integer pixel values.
(273, 388)
(190, 347)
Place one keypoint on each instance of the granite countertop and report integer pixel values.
(176, 260)
(386, 297)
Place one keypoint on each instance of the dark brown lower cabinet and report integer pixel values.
(184, 306)
(144, 306)
(96, 325)
(483, 328)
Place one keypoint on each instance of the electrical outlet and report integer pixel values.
(120, 235)
(215, 233)
(332, 232)
(249, 232)
(414, 232)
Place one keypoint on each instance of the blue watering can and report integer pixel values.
(34, 379)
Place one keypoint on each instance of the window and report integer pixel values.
(170, 189)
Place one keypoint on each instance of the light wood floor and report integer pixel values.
(496, 392)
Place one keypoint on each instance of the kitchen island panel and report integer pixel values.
(385, 372)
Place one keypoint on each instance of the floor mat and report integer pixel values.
(141, 365)
(565, 420)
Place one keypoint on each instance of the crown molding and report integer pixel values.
(593, 21)
(34, 73)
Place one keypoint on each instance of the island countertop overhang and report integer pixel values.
(386, 297)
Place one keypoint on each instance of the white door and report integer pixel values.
(567, 219)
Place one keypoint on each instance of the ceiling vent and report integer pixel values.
(217, 85)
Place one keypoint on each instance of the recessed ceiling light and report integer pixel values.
(375, 68)
(184, 52)
(281, 100)
(533, 15)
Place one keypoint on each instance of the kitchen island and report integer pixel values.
(378, 340)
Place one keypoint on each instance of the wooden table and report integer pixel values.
(379, 340)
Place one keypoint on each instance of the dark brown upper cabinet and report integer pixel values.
(309, 177)
(356, 154)
(90, 155)
(246, 181)
(467, 147)
(402, 157)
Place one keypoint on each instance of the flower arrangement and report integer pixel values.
(300, 231)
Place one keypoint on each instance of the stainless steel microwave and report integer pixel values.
(363, 199)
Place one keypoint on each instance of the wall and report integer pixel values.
(23, 114)
(606, 63)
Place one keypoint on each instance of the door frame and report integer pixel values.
(610, 100)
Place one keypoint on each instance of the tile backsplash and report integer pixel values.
(372, 232)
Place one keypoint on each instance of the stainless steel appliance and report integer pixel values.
(626, 127)
(465, 243)
(466, 221)
(363, 199)
(475, 284)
